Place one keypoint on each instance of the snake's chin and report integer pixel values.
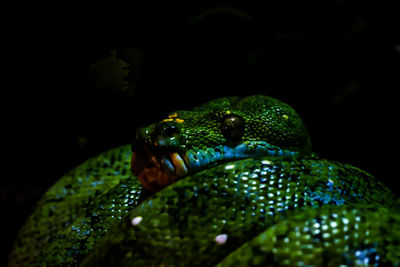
(157, 168)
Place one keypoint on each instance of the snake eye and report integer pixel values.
(232, 128)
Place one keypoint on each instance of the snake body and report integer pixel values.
(231, 182)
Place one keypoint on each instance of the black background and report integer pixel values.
(336, 63)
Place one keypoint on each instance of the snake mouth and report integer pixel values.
(158, 168)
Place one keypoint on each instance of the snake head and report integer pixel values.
(221, 130)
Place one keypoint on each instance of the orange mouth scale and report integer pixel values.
(157, 170)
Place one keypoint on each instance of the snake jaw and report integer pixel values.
(157, 169)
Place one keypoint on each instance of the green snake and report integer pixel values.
(232, 182)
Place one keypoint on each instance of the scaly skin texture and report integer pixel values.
(252, 193)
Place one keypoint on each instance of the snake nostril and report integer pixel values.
(142, 133)
(171, 131)
(142, 137)
(164, 134)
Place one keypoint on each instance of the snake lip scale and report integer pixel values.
(156, 167)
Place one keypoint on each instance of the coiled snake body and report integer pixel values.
(231, 182)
